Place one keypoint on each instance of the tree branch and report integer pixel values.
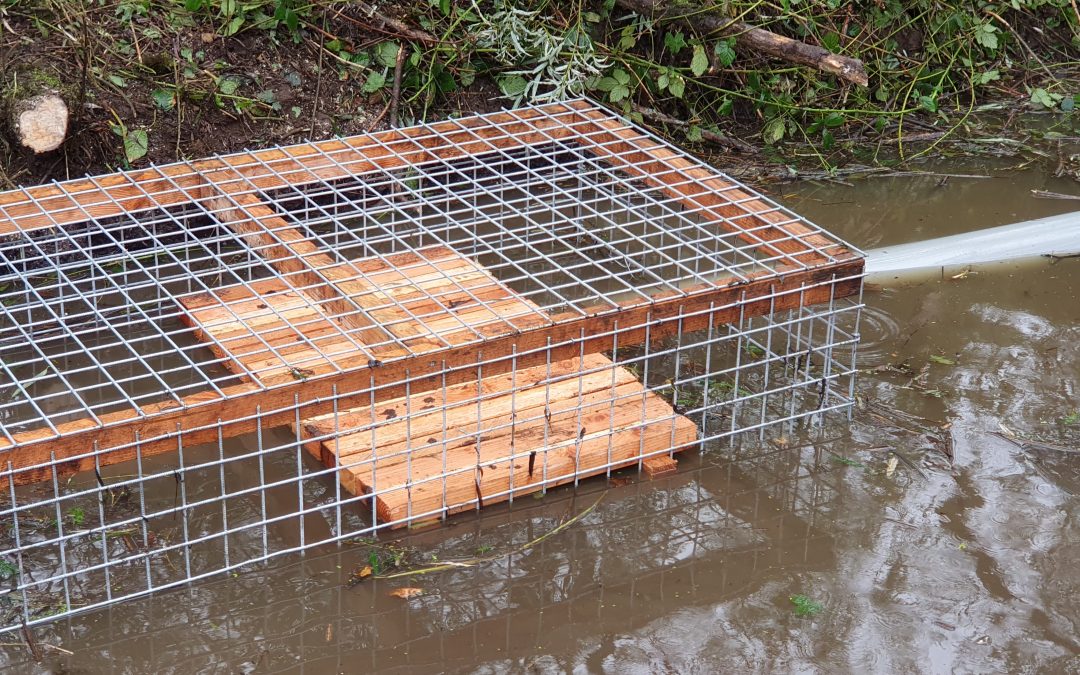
(758, 39)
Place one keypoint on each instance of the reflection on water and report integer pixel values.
(962, 557)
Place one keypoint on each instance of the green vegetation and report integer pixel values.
(846, 461)
(691, 396)
(804, 606)
(1071, 418)
(163, 79)
(77, 516)
(7, 570)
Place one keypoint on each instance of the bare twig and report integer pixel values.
(1028, 444)
(395, 93)
(472, 562)
(706, 135)
(30, 643)
(910, 464)
(1021, 41)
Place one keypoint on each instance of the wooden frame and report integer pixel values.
(810, 267)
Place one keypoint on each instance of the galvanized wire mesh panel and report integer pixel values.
(211, 364)
(722, 524)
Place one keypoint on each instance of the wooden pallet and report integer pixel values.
(476, 444)
(272, 331)
(452, 448)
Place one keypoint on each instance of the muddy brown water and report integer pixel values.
(964, 557)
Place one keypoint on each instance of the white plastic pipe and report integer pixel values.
(1053, 236)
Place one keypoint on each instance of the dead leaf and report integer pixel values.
(407, 592)
(359, 575)
(890, 468)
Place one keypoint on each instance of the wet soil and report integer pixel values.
(923, 539)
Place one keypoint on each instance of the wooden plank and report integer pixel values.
(267, 329)
(659, 466)
(276, 333)
(535, 394)
(156, 424)
(567, 428)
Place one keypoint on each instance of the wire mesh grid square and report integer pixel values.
(211, 364)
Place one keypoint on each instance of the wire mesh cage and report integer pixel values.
(209, 364)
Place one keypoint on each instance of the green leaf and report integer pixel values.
(513, 86)
(986, 35)
(291, 19)
(606, 83)
(928, 103)
(117, 80)
(677, 85)
(228, 85)
(136, 144)
(693, 134)
(386, 53)
(591, 17)
(700, 63)
(619, 93)
(804, 606)
(988, 76)
(374, 82)
(193, 5)
(621, 76)
(774, 130)
(725, 52)
(942, 360)
(1044, 98)
(164, 98)
(674, 42)
(233, 27)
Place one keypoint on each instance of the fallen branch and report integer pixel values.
(706, 135)
(378, 21)
(758, 39)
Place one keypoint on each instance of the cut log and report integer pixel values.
(698, 19)
(40, 122)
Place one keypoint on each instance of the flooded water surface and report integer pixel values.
(938, 532)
